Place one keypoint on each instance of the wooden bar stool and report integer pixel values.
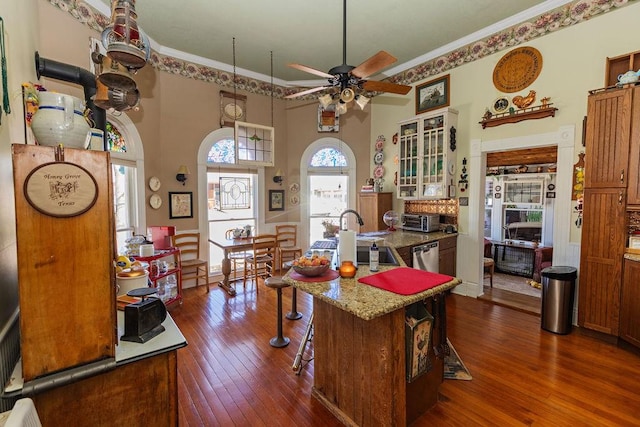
(488, 268)
(276, 283)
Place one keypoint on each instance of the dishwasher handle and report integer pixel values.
(425, 248)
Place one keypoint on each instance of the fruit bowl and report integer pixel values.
(311, 271)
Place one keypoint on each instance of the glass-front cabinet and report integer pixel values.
(426, 160)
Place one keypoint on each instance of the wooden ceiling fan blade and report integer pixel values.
(306, 92)
(310, 70)
(374, 64)
(376, 86)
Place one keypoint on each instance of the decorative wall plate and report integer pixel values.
(517, 69)
(294, 188)
(378, 158)
(378, 171)
(294, 199)
(379, 145)
(500, 105)
(154, 183)
(155, 201)
(232, 108)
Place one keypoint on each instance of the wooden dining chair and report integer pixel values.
(191, 266)
(288, 250)
(261, 262)
(238, 259)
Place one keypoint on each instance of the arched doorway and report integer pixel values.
(327, 162)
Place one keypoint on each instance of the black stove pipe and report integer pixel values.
(72, 74)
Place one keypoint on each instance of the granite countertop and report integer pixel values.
(632, 257)
(368, 302)
(401, 238)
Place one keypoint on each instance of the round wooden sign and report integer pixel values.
(517, 69)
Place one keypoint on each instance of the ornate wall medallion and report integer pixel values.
(517, 69)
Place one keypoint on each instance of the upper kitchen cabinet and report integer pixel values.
(607, 138)
(427, 162)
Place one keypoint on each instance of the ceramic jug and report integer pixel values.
(60, 120)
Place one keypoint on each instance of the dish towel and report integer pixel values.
(405, 280)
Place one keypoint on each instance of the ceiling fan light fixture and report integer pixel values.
(341, 107)
(362, 101)
(347, 95)
(325, 100)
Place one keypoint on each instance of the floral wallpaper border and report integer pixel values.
(554, 20)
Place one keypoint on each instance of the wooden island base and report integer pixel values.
(359, 368)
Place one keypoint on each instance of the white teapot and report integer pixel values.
(628, 77)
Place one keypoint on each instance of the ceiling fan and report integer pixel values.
(347, 78)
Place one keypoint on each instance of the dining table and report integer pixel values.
(230, 246)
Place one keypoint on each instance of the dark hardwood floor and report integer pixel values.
(229, 375)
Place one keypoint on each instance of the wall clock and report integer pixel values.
(155, 201)
(232, 107)
(517, 69)
(154, 183)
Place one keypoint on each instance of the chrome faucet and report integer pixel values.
(360, 221)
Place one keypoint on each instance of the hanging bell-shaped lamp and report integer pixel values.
(124, 42)
(115, 98)
(347, 95)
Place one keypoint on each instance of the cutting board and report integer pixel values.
(405, 280)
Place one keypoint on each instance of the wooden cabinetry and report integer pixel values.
(372, 207)
(165, 274)
(65, 271)
(426, 162)
(603, 244)
(448, 253)
(630, 303)
(607, 138)
(611, 185)
(619, 65)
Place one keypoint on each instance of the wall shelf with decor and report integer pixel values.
(531, 113)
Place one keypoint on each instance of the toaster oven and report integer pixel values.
(425, 223)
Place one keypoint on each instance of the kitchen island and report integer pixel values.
(359, 350)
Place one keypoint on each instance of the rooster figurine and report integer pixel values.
(523, 102)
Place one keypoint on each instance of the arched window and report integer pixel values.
(127, 171)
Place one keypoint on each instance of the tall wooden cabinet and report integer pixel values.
(611, 185)
(372, 207)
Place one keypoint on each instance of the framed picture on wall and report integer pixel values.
(276, 200)
(432, 94)
(181, 204)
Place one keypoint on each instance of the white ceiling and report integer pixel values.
(311, 32)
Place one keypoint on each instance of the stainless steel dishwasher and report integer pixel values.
(427, 257)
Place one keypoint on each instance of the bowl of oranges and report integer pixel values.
(311, 266)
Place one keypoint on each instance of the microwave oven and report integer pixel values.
(425, 223)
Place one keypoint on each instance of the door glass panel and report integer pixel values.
(327, 200)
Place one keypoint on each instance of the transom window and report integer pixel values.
(328, 157)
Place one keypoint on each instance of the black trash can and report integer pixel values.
(558, 288)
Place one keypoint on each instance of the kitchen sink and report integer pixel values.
(386, 255)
